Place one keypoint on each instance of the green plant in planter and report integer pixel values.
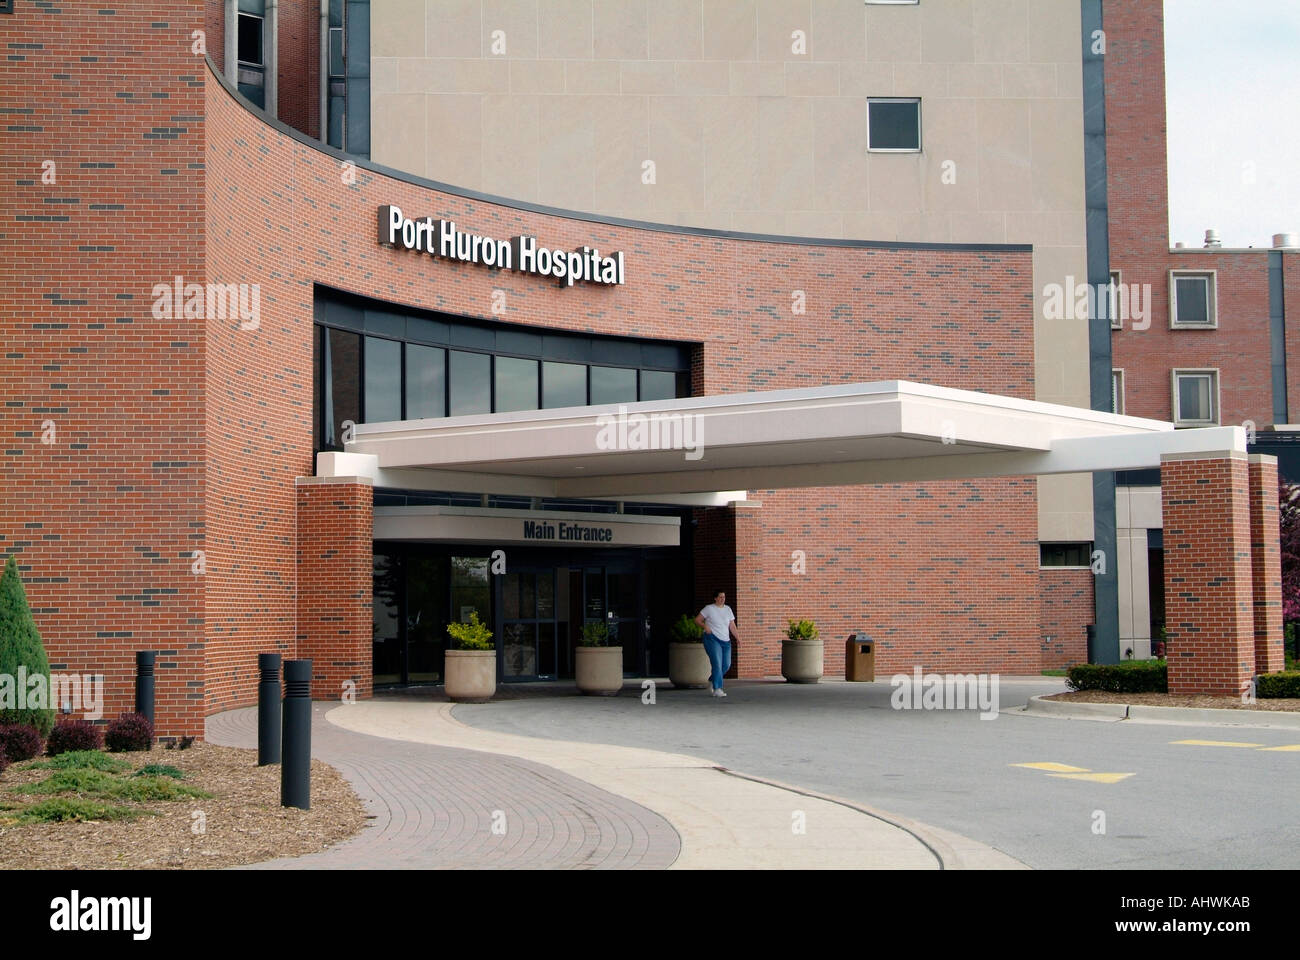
(802, 630)
(470, 636)
(595, 634)
(686, 630)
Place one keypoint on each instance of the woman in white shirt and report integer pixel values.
(719, 625)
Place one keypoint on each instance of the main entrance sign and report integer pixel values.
(441, 238)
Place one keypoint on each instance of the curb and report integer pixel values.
(1144, 713)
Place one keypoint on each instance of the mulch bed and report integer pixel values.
(1169, 700)
(243, 821)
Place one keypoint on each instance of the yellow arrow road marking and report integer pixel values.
(1214, 743)
(1093, 777)
(1292, 748)
(1056, 767)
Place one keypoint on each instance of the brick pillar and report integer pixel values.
(335, 564)
(1209, 599)
(1266, 563)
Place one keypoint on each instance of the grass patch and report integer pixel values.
(160, 770)
(84, 760)
(1055, 673)
(64, 809)
(103, 786)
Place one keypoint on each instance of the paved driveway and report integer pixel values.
(1204, 804)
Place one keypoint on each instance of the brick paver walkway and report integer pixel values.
(435, 806)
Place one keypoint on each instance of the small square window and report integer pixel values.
(1192, 300)
(894, 125)
(1117, 391)
(1196, 398)
(6, 6)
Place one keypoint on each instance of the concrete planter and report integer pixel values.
(688, 666)
(801, 660)
(471, 675)
(599, 670)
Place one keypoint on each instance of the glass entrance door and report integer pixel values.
(529, 623)
(612, 595)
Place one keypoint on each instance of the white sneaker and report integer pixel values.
(720, 692)
(714, 691)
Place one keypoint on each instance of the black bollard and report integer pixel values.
(144, 682)
(268, 709)
(295, 766)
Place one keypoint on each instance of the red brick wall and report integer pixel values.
(104, 520)
(335, 561)
(1138, 196)
(1266, 564)
(1066, 608)
(298, 95)
(1209, 602)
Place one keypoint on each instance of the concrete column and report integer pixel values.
(1209, 599)
(1266, 563)
(335, 586)
(271, 57)
(232, 41)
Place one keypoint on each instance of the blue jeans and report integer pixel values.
(719, 652)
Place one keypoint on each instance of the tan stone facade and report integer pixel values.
(754, 116)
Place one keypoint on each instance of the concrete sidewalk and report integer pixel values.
(725, 820)
(1040, 706)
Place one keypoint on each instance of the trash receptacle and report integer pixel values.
(859, 659)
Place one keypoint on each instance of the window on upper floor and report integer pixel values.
(1112, 301)
(1117, 391)
(1073, 555)
(1196, 398)
(894, 125)
(1192, 300)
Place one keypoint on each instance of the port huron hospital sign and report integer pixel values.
(442, 239)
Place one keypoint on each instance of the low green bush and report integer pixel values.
(160, 770)
(84, 760)
(1278, 686)
(61, 809)
(1131, 676)
(98, 785)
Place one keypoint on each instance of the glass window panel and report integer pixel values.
(383, 380)
(595, 595)
(250, 39)
(336, 51)
(386, 651)
(894, 126)
(519, 650)
(516, 384)
(471, 382)
(510, 596)
(528, 595)
(1194, 398)
(426, 618)
(546, 595)
(1193, 295)
(546, 650)
(613, 385)
(658, 385)
(564, 385)
(471, 589)
(426, 382)
(343, 390)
